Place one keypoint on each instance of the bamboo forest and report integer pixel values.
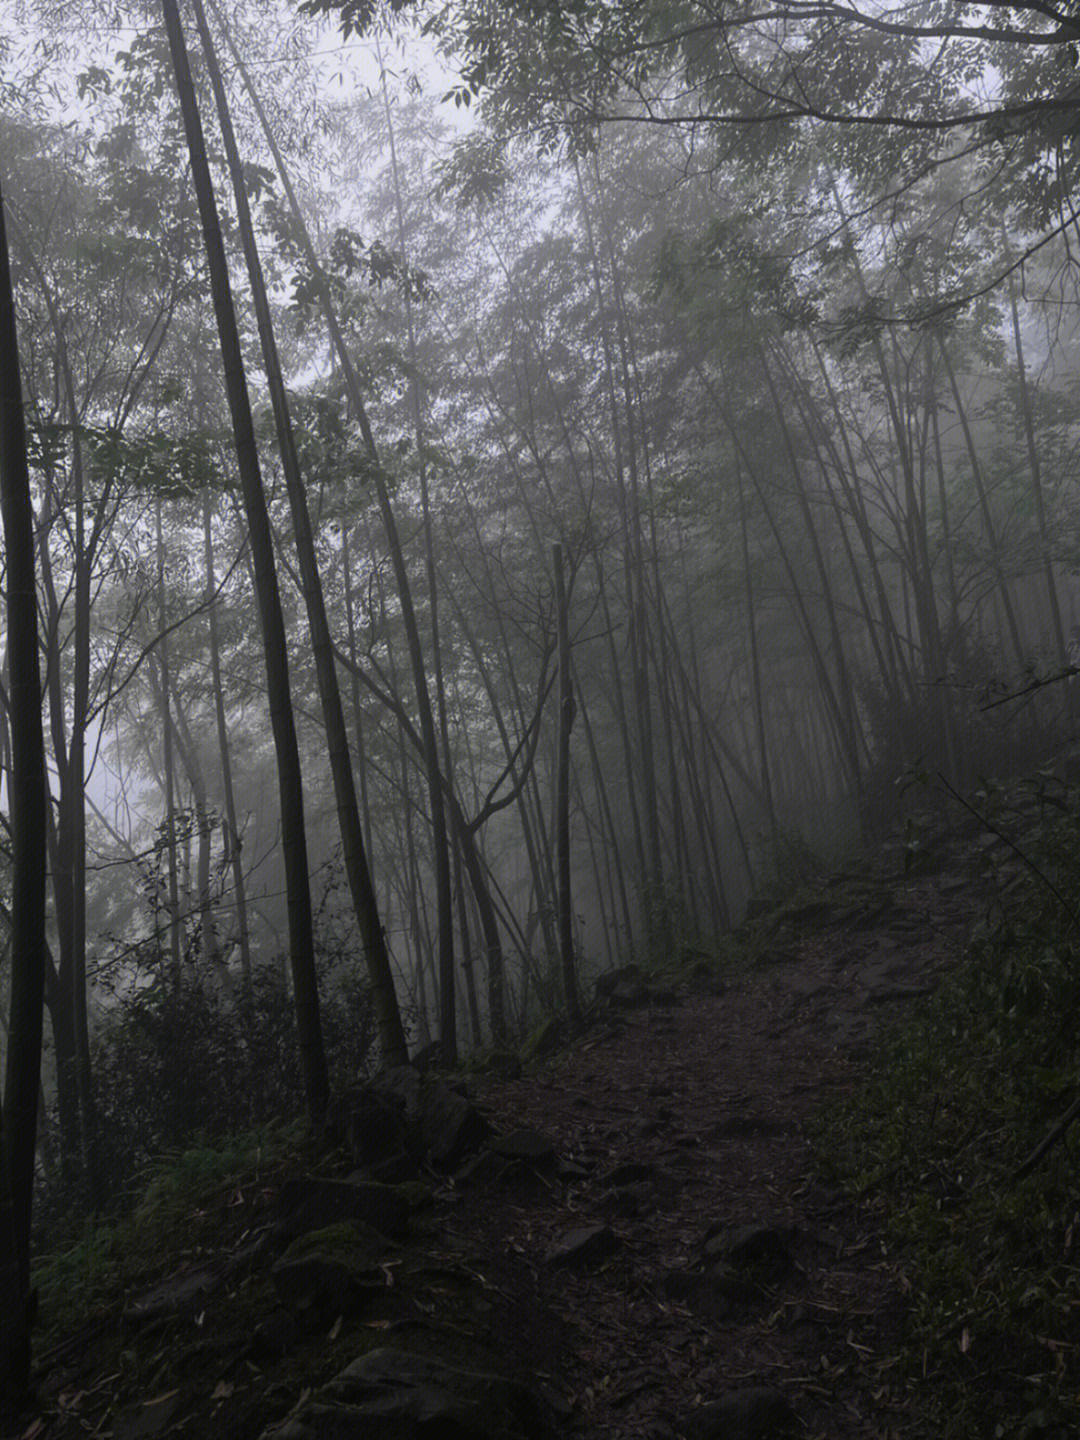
(539, 718)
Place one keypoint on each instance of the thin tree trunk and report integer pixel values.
(283, 725)
(391, 1035)
(984, 506)
(1037, 490)
(440, 843)
(27, 804)
(232, 830)
(562, 793)
(168, 768)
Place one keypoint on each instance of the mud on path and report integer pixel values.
(688, 1122)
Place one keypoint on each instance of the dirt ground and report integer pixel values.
(679, 1120)
(712, 1097)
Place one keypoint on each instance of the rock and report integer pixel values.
(738, 1289)
(611, 979)
(739, 1125)
(394, 1395)
(582, 1247)
(699, 1293)
(487, 1168)
(372, 1124)
(428, 1058)
(401, 1168)
(274, 1337)
(884, 981)
(629, 1173)
(403, 1083)
(329, 1270)
(152, 1417)
(704, 980)
(309, 1203)
(177, 1293)
(757, 1251)
(623, 989)
(452, 1127)
(813, 912)
(500, 1065)
(528, 1145)
(628, 1201)
(756, 1413)
(573, 1172)
(851, 1033)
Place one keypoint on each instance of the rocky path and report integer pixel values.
(711, 1285)
(634, 1246)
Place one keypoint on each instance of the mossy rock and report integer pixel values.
(543, 1040)
(347, 1239)
(335, 1269)
(313, 1203)
(499, 1064)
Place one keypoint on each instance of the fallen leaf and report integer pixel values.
(160, 1399)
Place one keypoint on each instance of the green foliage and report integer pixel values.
(179, 1178)
(959, 1100)
(952, 727)
(476, 172)
(75, 1280)
(174, 1064)
(356, 17)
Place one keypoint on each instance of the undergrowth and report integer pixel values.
(176, 1190)
(943, 1140)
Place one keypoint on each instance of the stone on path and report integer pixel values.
(759, 1412)
(582, 1247)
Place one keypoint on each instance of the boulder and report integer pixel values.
(185, 1291)
(715, 1294)
(758, 1412)
(623, 989)
(448, 1125)
(758, 1252)
(401, 1083)
(306, 1203)
(528, 1145)
(329, 1271)
(391, 1394)
(699, 1293)
(274, 1337)
(452, 1127)
(583, 1246)
(628, 1173)
(429, 1058)
(500, 1065)
(371, 1123)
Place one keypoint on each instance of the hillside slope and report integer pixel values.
(635, 1229)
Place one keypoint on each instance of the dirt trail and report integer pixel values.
(710, 1098)
(679, 1126)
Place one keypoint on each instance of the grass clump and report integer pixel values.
(944, 1139)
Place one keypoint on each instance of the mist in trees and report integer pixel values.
(514, 510)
